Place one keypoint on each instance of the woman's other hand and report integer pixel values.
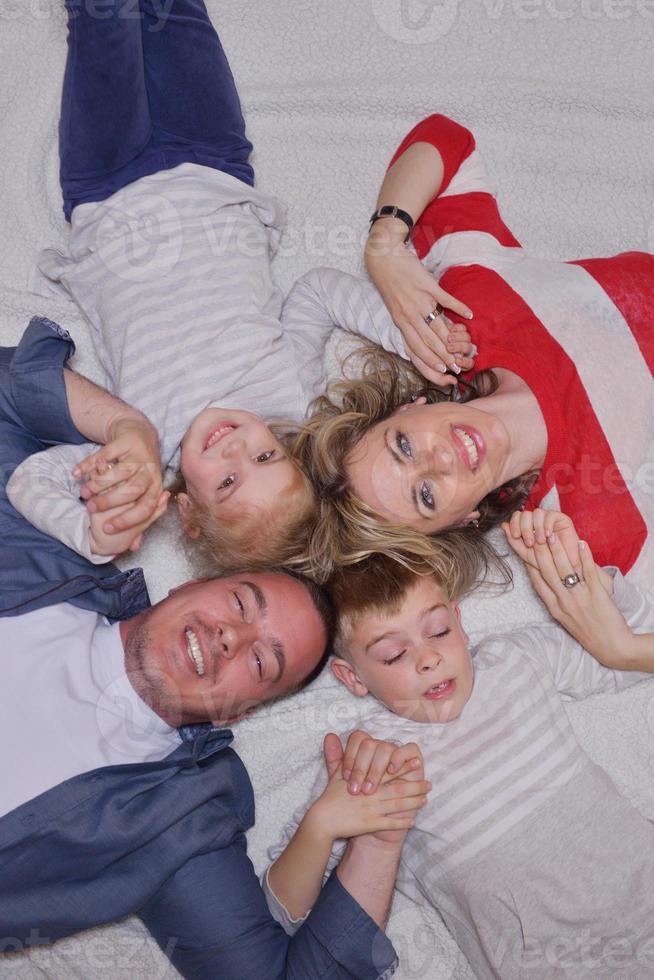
(411, 294)
(527, 528)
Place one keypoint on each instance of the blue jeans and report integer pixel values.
(147, 86)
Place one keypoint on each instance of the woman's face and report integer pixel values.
(428, 466)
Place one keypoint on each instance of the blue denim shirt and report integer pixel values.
(36, 570)
(164, 840)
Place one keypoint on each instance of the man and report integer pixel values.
(106, 808)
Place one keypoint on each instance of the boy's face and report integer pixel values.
(231, 463)
(415, 661)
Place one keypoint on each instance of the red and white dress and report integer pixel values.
(580, 334)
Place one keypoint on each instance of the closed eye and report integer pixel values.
(440, 636)
(392, 660)
(240, 605)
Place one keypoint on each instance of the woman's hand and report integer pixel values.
(122, 481)
(530, 527)
(586, 610)
(118, 542)
(411, 293)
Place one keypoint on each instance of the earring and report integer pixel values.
(474, 523)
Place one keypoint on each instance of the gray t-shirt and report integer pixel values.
(537, 864)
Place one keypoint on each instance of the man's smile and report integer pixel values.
(194, 651)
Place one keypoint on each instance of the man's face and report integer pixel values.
(213, 649)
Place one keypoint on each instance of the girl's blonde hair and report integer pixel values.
(346, 529)
(276, 537)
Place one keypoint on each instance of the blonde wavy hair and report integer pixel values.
(277, 536)
(346, 529)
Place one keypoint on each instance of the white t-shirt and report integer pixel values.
(66, 703)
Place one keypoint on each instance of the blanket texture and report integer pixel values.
(558, 93)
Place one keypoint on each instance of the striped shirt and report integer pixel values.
(514, 828)
(578, 333)
(173, 275)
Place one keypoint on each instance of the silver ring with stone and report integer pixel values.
(571, 580)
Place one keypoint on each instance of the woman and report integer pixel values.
(559, 412)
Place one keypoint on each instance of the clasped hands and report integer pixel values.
(374, 788)
(411, 294)
(549, 546)
(122, 485)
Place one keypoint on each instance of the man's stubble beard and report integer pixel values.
(149, 682)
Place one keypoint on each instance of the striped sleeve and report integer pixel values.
(277, 909)
(576, 673)
(454, 142)
(43, 491)
(465, 200)
(324, 299)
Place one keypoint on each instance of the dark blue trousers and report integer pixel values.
(147, 86)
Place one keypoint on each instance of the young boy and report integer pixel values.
(525, 846)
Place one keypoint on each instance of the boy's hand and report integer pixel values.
(122, 481)
(367, 761)
(130, 540)
(338, 814)
(530, 527)
(411, 293)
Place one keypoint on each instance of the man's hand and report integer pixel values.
(411, 293)
(122, 481)
(366, 761)
(339, 814)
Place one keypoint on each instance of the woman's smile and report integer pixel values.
(428, 466)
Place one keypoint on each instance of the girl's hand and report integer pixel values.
(130, 540)
(367, 761)
(338, 814)
(122, 481)
(530, 527)
(411, 293)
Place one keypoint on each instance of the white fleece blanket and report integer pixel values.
(558, 93)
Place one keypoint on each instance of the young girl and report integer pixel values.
(525, 846)
(169, 260)
(557, 415)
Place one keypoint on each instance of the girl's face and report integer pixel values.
(231, 463)
(428, 466)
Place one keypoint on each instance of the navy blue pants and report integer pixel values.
(147, 86)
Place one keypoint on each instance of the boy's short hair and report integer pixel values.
(378, 584)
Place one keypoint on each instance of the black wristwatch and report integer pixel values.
(389, 210)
